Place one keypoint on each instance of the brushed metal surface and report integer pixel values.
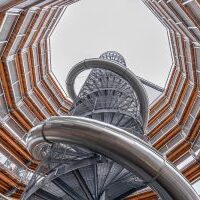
(123, 147)
(125, 73)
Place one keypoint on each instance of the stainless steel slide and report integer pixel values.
(117, 144)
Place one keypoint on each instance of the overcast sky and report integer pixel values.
(90, 27)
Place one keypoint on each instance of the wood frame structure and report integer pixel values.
(29, 92)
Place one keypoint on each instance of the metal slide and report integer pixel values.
(121, 146)
(99, 152)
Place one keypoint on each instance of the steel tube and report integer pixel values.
(117, 144)
(122, 71)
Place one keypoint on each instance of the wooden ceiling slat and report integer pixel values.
(182, 76)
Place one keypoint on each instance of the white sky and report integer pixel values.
(90, 27)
